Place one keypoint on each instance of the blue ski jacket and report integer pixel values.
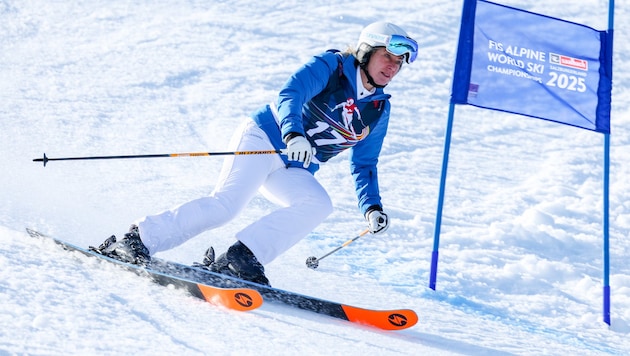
(320, 102)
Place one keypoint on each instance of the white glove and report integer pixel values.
(378, 221)
(299, 149)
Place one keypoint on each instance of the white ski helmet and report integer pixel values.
(388, 35)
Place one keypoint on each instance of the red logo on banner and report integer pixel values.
(567, 61)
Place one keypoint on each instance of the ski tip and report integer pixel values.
(34, 233)
(398, 319)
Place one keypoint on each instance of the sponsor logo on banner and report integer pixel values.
(567, 61)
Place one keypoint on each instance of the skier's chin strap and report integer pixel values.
(369, 77)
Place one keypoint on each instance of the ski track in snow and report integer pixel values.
(520, 256)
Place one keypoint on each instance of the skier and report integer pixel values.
(332, 103)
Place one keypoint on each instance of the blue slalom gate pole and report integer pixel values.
(606, 217)
(438, 215)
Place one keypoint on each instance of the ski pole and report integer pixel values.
(313, 262)
(189, 154)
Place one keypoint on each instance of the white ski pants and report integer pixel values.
(303, 202)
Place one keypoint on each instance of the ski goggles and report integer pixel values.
(401, 45)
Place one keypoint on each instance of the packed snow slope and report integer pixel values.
(521, 244)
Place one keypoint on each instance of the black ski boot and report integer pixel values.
(238, 261)
(130, 249)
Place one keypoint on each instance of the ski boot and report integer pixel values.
(238, 261)
(130, 249)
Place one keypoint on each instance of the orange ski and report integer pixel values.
(237, 298)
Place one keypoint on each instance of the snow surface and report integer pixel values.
(521, 245)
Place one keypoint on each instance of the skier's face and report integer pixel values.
(383, 66)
